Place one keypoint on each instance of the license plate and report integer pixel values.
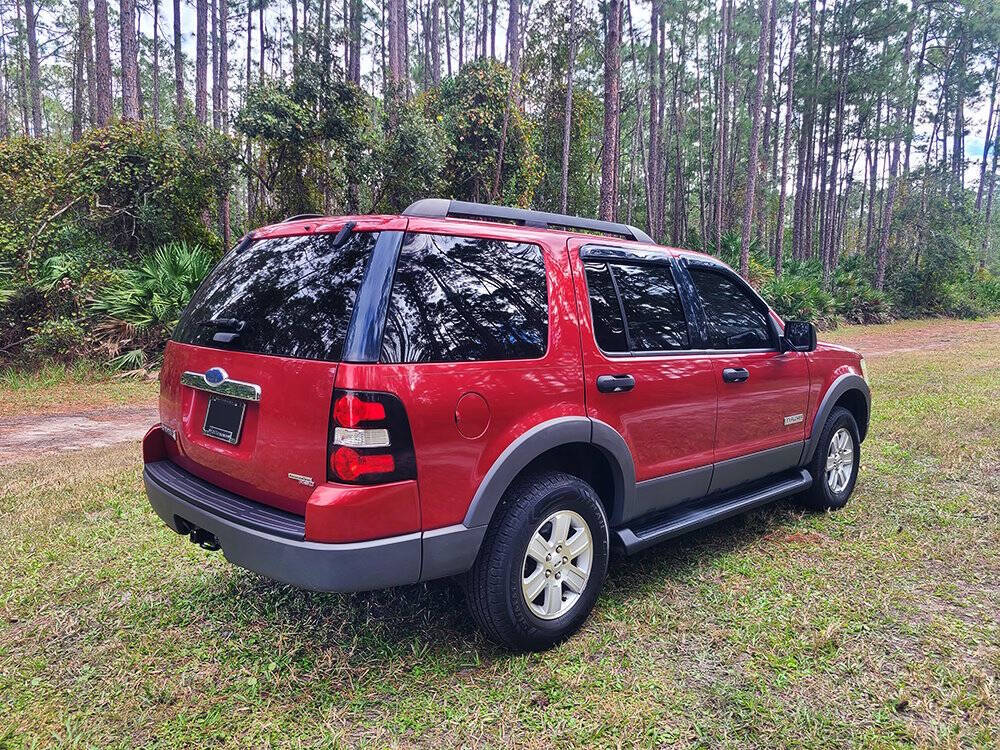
(224, 419)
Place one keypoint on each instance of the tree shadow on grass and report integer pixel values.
(429, 622)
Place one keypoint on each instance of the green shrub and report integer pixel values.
(140, 306)
(60, 338)
(801, 298)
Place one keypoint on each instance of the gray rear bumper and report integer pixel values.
(355, 566)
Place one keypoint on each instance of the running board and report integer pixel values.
(690, 516)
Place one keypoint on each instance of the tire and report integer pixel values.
(831, 491)
(532, 512)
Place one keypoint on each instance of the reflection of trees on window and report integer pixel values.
(294, 294)
(653, 310)
(462, 299)
(604, 309)
(654, 315)
(735, 319)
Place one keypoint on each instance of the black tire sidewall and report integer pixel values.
(570, 494)
(840, 418)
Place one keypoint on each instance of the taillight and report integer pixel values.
(370, 440)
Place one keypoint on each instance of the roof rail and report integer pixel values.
(439, 208)
(301, 217)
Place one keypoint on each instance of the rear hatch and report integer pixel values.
(259, 343)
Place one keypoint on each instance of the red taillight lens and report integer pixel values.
(351, 410)
(349, 465)
(379, 451)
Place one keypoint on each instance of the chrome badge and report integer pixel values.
(302, 479)
(216, 376)
(793, 419)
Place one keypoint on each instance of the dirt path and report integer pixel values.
(913, 336)
(24, 438)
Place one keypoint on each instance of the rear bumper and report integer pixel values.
(275, 549)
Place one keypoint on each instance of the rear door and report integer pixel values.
(263, 335)
(763, 392)
(641, 376)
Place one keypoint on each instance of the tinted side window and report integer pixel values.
(609, 329)
(465, 299)
(736, 320)
(653, 311)
(293, 296)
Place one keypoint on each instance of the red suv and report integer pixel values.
(360, 402)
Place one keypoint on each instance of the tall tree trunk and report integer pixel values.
(722, 96)
(461, 33)
(989, 128)
(201, 62)
(180, 104)
(156, 62)
(447, 35)
(513, 95)
(216, 103)
(786, 138)
(295, 34)
(915, 87)
(754, 145)
(988, 216)
(88, 61)
(263, 35)
(881, 259)
(102, 49)
(568, 108)
(4, 111)
(224, 64)
(655, 172)
(34, 84)
(130, 61)
(354, 71)
(612, 91)
(435, 39)
(77, 118)
(138, 66)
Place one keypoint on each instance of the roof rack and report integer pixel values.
(439, 208)
(302, 217)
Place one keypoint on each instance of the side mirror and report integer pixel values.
(799, 336)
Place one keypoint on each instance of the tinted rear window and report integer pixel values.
(460, 299)
(294, 295)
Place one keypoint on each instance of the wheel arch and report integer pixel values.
(583, 447)
(849, 391)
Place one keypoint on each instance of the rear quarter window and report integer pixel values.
(288, 296)
(462, 299)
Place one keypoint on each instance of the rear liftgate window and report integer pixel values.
(288, 296)
(461, 299)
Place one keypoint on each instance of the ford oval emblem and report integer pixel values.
(216, 376)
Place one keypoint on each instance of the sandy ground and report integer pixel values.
(24, 437)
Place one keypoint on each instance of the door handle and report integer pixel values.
(615, 383)
(735, 374)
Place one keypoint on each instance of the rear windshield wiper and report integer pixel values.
(227, 330)
(232, 325)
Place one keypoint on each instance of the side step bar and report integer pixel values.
(690, 516)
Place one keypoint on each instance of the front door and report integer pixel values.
(763, 392)
(641, 377)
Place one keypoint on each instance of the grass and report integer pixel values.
(56, 387)
(872, 627)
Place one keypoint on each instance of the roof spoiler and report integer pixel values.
(440, 208)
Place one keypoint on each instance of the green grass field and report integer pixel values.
(877, 626)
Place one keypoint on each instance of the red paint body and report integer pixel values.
(464, 415)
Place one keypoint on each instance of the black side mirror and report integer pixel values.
(799, 336)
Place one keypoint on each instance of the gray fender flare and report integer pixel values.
(840, 386)
(541, 438)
